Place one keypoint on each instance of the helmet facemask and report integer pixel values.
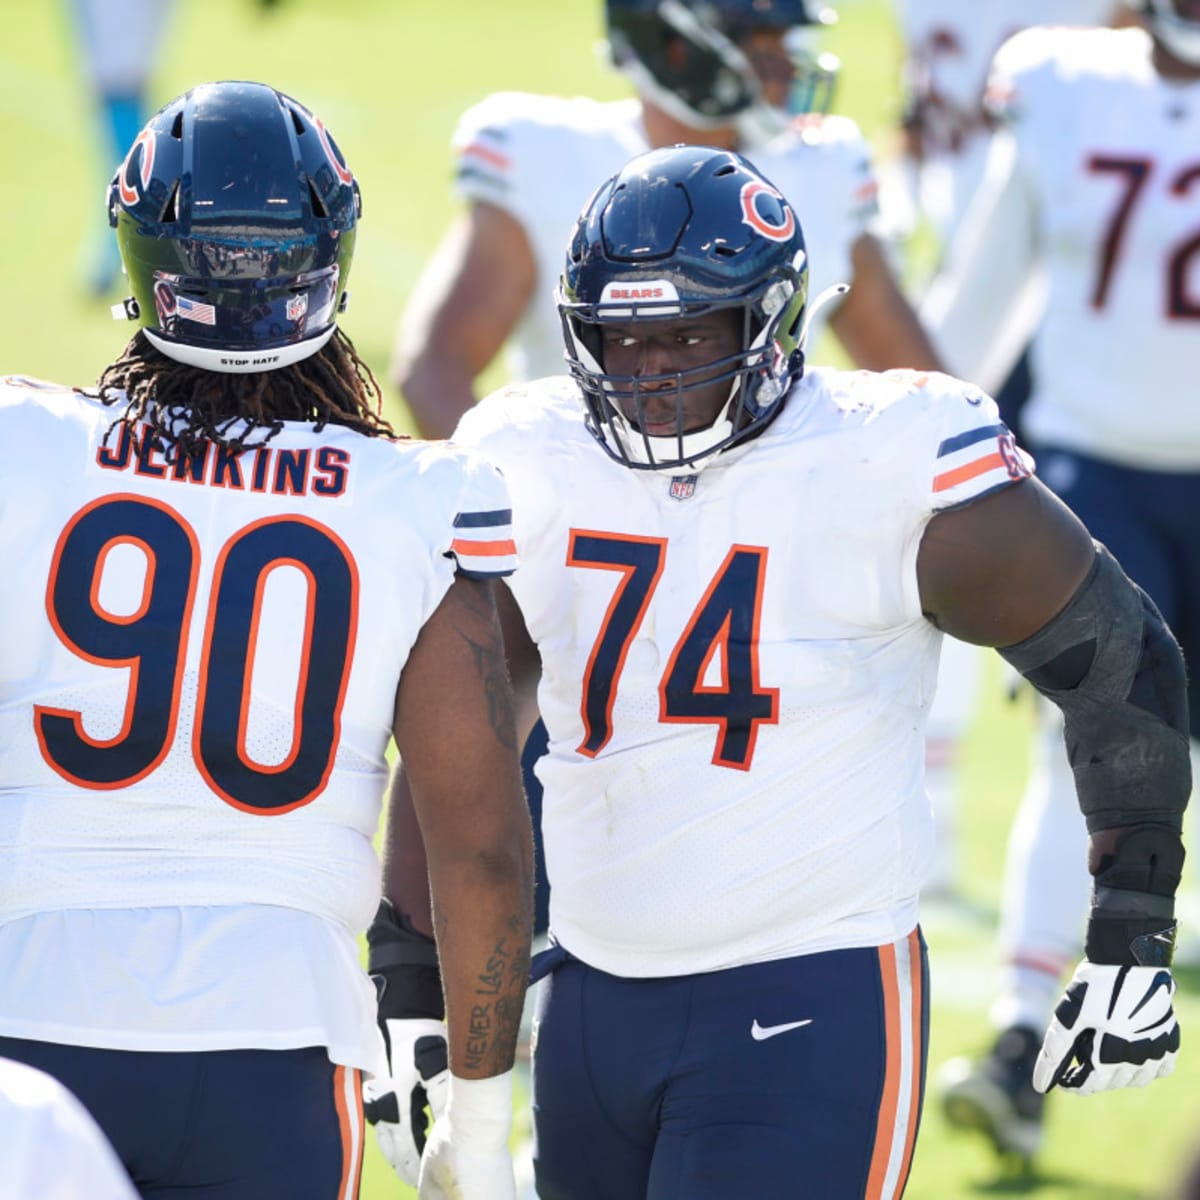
(757, 375)
(1179, 36)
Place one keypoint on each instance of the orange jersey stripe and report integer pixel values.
(914, 1100)
(484, 549)
(488, 155)
(885, 1128)
(949, 479)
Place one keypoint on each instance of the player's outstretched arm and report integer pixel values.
(455, 732)
(465, 304)
(1017, 570)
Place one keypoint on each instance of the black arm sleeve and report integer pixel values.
(1111, 664)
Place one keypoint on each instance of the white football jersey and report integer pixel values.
(736, 669)
(1106, 156)
(50, 1147)
(540, 158)
(196, 695)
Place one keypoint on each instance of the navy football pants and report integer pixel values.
(218, 1125)
(797, 1078)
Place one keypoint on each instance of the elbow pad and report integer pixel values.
(1111, 664)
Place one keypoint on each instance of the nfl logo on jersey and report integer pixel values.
(683, 487)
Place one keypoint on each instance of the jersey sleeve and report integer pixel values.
(502, 149)
(482, 545)
(975, 453)
(827, 173)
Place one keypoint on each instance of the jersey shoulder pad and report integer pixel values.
(974, 452)
(522, 414)
(1033, 66)
(945, 430)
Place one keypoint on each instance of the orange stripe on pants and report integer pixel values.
(347, 1099)
(899, 1106)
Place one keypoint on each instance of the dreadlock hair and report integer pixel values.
(183, 407)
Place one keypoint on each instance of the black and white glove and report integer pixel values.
(404, 967)
(1116, 1025)
(1114, 1028)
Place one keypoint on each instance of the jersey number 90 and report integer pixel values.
(151, 643)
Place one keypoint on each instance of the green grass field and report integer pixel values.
(389, 79)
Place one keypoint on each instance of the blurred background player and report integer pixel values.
(118, 43)
(736, 571)
(1092, 179)
(948, 51)
(50, 1148)
(238, 587)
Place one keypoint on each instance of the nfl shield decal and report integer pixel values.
(683, 487)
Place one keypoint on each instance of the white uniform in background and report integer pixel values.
(1092, 180)
(539, 158)
(949, 46)
(190, 794)
(50, 1147)
(777, 768)
(119, 42)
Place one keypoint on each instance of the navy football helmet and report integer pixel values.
(684, 55)
(1180, 36)
(683, 232)
(235, 214)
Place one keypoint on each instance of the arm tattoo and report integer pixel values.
(477, 626)
(496, 1015)
(490, 666)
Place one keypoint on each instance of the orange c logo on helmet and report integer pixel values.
(342, 171)
(145, 139)
(752, 217)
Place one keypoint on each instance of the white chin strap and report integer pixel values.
(239, 362)
(1180, 36)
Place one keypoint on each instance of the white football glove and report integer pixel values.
(1114, 1028)
(467, 1156)
(396, 1105)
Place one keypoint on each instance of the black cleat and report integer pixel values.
(995, 1094)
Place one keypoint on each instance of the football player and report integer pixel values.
(719, 72)
(735, 574)
(237, 587)
(1092, 180)
(118, 43)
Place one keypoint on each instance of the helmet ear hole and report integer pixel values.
(318, 205)
(170, 212)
